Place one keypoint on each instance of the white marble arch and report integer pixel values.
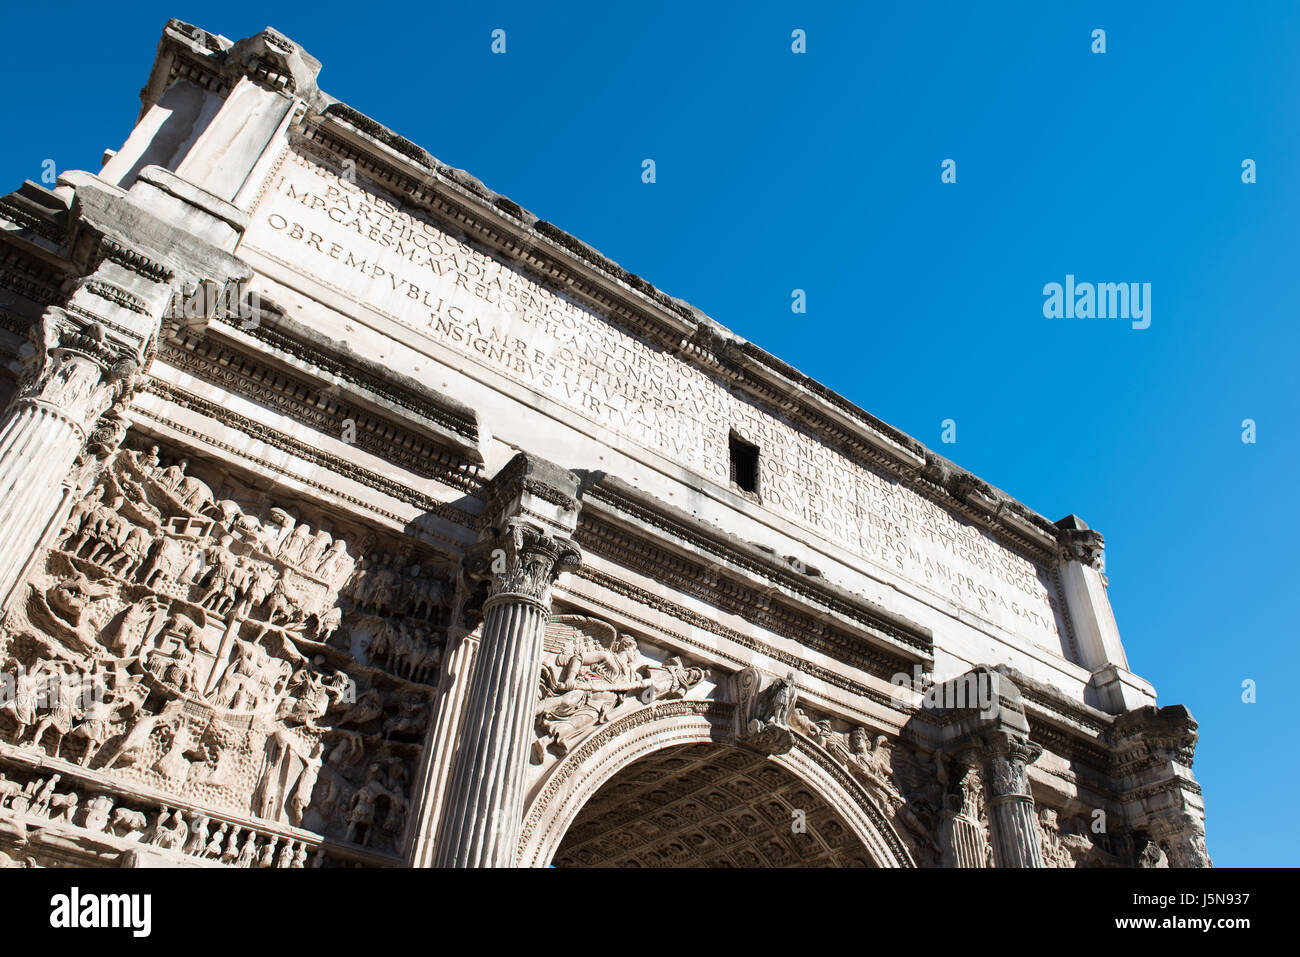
(561, 794)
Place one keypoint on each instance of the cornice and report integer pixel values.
(322, 383)
(310, 453)
(307, 402)
(284, 338)
(29, 275)
(813, 600)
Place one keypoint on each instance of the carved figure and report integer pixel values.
(97, 811)
(198, 839)
(126, 639)
(274, 531)
(74, 597)
(412, 716)
(1152, 856)
(231, 853)
(143, 726)
(63, 806)
(131, 553)
(110, 531)
(595, 669)
(174, 765)
(41, 802)
(193, 494)
(221, 564)
(23, 707)
(8, 790)
(96, 715)
(172, 561)
(72, 528)
(148, 462)
(315, 551)
(172, 658)
(170, 835)
(171, 477)
(66, 694)
(267, 856)
(300, 797)
(285, 858)
(361, 813)
(248, 853)
(769, 729)
(129, 823)
(336, 565)
(213, 847)
(294, 547)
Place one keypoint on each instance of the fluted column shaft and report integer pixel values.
(962, 840)
(43, 432)
(453, 699)
(485, 803)
(483, 808)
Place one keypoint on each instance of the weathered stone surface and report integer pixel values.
(352, 514)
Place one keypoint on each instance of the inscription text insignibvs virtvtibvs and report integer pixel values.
(398, 263)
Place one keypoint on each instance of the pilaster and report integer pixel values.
(1083, 587)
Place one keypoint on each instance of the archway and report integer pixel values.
(708, 805)
(700, 801)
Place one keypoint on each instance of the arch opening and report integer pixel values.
(707, 804)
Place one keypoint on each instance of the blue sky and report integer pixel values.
(821, 171)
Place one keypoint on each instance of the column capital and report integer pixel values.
(77, 369)
(82, 334)
(521, 561)
(530, 514)
(1007, 756)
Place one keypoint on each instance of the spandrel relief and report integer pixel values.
(590, 671)
(1075, 839)
(906, 784)
(196, 637)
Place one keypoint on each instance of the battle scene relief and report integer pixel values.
(247, 659)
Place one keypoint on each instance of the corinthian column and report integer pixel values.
(78, 373)
(986, 727)
(484, 803)
(1013, 825)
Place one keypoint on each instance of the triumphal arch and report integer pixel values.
(353, 515)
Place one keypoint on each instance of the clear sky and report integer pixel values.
(821, 171)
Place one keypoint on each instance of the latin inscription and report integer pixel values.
(360, 241)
